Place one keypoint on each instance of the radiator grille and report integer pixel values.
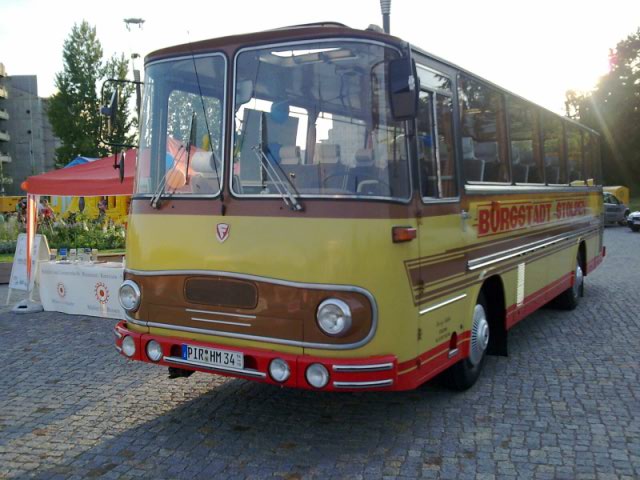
(221, 292)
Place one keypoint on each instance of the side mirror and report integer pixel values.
(111, 111)
(121, 167)
(113, 120)
(404, 88)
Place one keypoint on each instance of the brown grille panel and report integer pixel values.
(221, 292)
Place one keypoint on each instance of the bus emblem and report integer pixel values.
(222, 232)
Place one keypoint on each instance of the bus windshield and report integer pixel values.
(181, 127)
(318, 114)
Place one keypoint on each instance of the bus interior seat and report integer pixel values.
(364, 177)
(303, 177)
(473, 166)
(289, 155)
(467, 149)
(488, 153)
(552, 169)
(523, 162)
(332, 171)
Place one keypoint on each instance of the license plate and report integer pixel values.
(213, 356)
(636, 221)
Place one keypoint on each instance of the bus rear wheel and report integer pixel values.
(466, 372)
(569, 299)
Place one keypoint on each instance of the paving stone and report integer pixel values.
(565, 404)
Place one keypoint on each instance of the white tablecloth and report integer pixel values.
(82, 288)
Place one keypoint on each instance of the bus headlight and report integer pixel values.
(334, 317)
(279, 370)
(154, 350)
(129, 296)
(129, 346)
(317, 375)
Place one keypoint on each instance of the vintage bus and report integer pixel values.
(335, 209)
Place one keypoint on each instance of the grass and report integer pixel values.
(634, 204)
(8, 257)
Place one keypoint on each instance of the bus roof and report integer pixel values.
(313, 31)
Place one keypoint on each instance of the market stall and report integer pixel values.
(79, 287)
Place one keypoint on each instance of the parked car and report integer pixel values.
(633, 220)
(614, 210)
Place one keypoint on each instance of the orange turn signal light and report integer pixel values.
(403, 234)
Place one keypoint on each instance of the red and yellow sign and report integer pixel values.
(495, 217)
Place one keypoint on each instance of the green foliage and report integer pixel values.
(613, 109)
(9, 230)
(79, 232)
(74, 110)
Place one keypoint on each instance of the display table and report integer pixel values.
(82, 288)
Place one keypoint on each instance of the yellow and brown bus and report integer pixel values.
(328, 208)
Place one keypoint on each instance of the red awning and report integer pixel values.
(93, 179)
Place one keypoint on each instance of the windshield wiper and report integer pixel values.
(159, 193)
(285, 188)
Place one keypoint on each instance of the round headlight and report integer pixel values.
(334, 317)
(317, 375)
(279, 370)
(154, 350)
(129, 296)
(128, 346)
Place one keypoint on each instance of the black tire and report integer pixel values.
(464, 374)
(570, 298)
(623, 222)
(635, 228)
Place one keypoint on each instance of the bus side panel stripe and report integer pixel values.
(538, 299)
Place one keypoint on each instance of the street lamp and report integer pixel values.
(385, 6)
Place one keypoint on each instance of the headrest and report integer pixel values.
(364, 157)
(327, 153)
(290, 155)
(487, 151)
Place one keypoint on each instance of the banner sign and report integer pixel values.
(498, 217)
(18, 279)
(82, 289)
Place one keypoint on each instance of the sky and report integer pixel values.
(538, 50)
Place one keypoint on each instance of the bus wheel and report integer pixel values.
(569, 299)
(464, 374)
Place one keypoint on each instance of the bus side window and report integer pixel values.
(485, 156)
(589, 142)
(446, 152)
(435, 146)
(426, 150)
(553, 150)
(574, 153)
(526, 164)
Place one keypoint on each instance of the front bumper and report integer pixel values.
(371, 373)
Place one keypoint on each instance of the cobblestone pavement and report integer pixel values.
(565, 404)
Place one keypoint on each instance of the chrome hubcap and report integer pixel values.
(479, 335)
(577, 284)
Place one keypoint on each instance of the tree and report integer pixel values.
(74, 109)
(613, 108)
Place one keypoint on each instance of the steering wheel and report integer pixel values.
(370, 178)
